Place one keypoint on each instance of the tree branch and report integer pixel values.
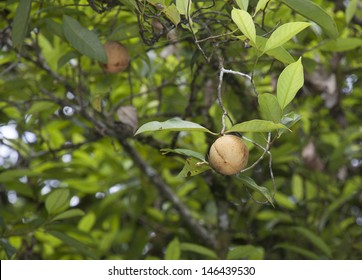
(206, 237)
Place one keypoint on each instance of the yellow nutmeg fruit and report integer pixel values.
(228, 155)
(118, 57)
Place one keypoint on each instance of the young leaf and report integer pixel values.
(269, 107)
(261, 5)
(351, 10)
(172, 14)
(21, 23)
(284, 33)
(243, 4)
(181, 6)
(184, 152)
(57, 201)
(312, 11)
(256, 126)
(175, 124)
(193, 167)
(173, 250)
(245, 23)
(250, 183)
(289, 82)
(278, 53)
(83, 40)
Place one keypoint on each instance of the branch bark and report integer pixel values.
(205, 236)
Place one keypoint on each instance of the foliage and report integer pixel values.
(81, 179)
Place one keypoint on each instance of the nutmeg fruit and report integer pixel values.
(118, 57)
(228, 155)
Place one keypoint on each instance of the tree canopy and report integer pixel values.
(108, 110)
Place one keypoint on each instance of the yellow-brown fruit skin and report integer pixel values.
(118, 57)
(228, 155)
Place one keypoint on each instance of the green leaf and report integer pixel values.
(57, 201)
(250, 183)
(201, 250)
(184, 152)
(21, 23)
(66, 57)
(269, 107)
(192, 167)
(246, 252)
(351, 10)
(15, 174)
(68, 214)
(8, 248)
(283, 201)
(308, 254)
(256, 126)
(261, 5)
(172, 14)
(245, 23)
(181, 6)
(289, 82)
(290, 119)
(83, 40)
(315, 240)
(40, 106)
(87, 222)
(341, 44)
(173, 250)
(74, 244)
(175, 124)
(284, 33)
(243, 4)
(312, 11)
(278, 53)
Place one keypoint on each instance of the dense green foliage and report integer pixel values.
(78, 181)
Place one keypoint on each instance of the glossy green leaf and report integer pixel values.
(246, 252)
(245, 23)
(315, 240)
(192, 167)
(83, 40)
(301, 251)
(314, 12)
(256, 126)
(289, 82)
(284, 201)
(261, 5)
(284, 33)
(250, 183)
(20, 24)
(290, 119)
(173, 250)
(184, 152)
(74, 244)
(175, 124)
(16, 174)
(198, 249)
(269, 107)
(68, 214)
(351, 10)
(57, 201)
(278, 53)
(243, 4)
(341, 44)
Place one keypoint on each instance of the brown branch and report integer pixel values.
(206, 237)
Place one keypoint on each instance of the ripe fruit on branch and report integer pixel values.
(228, 155)
(118, 57)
